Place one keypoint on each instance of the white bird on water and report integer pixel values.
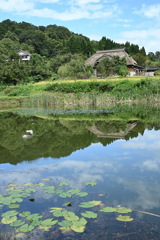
(29, 135)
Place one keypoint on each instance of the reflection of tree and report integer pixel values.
(56, 138)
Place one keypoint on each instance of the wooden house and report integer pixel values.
(133, 68)
(150, 71)
(25, 56)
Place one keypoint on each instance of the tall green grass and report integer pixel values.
(93, 93)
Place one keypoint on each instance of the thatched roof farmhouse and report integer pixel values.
(133, 68)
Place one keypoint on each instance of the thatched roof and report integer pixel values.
(99, 55)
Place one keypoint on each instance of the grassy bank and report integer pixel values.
(95, 92)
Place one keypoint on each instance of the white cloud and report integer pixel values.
(16, 5)
(152, 11)
(79, 9)
(148, 38)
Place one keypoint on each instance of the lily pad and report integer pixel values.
(80, 222)
(24, 214)
(33, 217)
(89, 214)
(40, 184)
(45, 179)
(108, 209)
(58, 213)
(48, 222)
(65, 223)
(17, 223)
(14, 206)
(86, 205)
(26, 228)
(92, 183)
(82, 194)
(96, 203)
(50, 189)
(62, 184)
(29, 190)
(10, 213)
(8, 219)
(123, 210)
(53, 209)
(36, 223)
(65, 195)
(65, 229)
(124, 218)
(12, 185)
(45, 228)
(78, 229)
(73, 191)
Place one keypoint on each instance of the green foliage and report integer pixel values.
(114, 65)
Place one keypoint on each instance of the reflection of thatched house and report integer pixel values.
(25, 56)
(133, 68)
(115, 135)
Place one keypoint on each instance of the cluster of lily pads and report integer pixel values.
(25, 221)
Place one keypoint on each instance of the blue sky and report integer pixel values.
(121, 21)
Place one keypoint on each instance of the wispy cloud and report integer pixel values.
(151, 11)
(72, 10)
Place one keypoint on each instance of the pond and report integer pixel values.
(83, 174)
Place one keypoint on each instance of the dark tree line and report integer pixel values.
(52, 47)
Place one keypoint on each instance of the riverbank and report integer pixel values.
(81, 93)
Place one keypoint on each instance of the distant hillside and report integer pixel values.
(53, 40)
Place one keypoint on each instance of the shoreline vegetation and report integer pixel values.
(90, 92)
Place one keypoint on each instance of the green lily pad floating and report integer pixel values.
(82, 194)
(89, 214)
(91, 183)
(48, 222)
(96, 203)
(8, 219)
(36, 223)
(1, 206)
(74, 191)
(12, 185)
(86, 205)
(58, 213)
(108, 209)
(40, 184)
(62, 184)
(65, 223)
(14, 206)
(53, 209)
(46, 229)
(80, 222)
(10, 213)
(24, 214)
(33, 217)
(123, 210)
(29, 190)
(65, 195)
(26, 228)
(50, 189)
(45, 179)
(78, 229)
(65, 229)
(17, 223)
(124, 218)
(71, 218)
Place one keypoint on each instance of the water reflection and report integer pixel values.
(121, 155)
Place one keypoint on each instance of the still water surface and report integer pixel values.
(120, 154)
